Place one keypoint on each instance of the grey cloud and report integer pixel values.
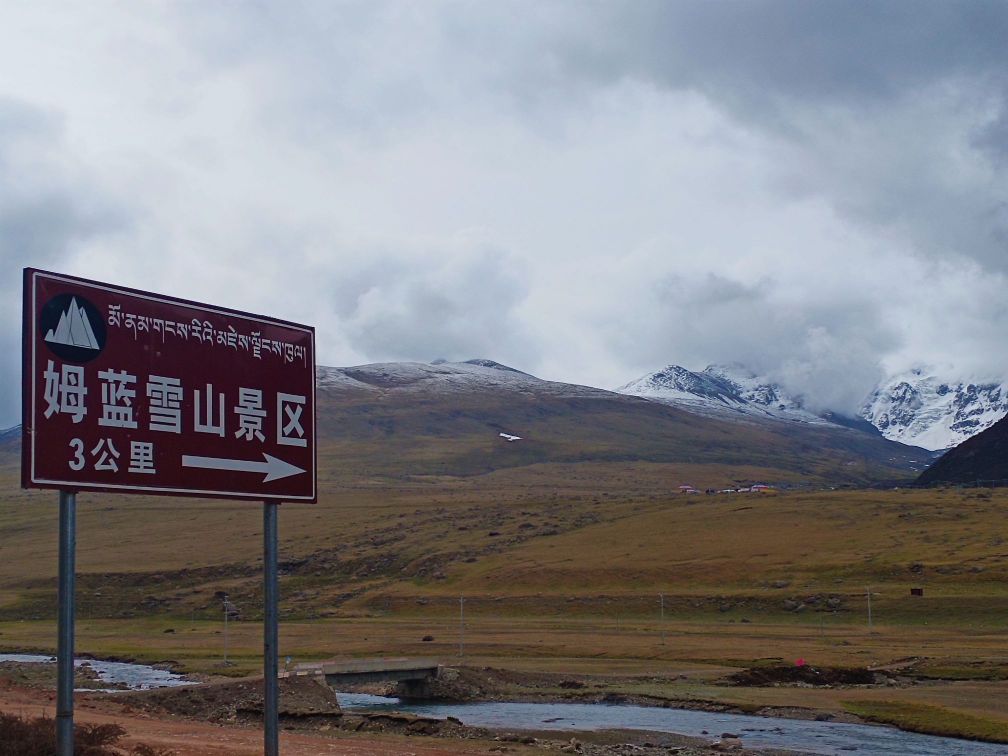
(39, 230)
(992, 139)
(45, 214)
(825, 351)
(43, 206)
(893, 112)
(818, 51)
(780, 146)
(754, 56)
(757, 56)
(890, 110)
(462, 303)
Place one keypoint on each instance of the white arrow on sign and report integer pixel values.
(273, 468)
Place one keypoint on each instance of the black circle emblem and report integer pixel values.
(72, 328)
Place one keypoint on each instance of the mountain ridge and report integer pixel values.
(407, 422)
(720, 390)
(445, 419)
(917, 408)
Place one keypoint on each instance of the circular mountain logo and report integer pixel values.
(72, 328)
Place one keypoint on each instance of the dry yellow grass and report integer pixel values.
(952, 543)
(561, 566)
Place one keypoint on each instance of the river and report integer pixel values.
(133, 676)
(756, 732)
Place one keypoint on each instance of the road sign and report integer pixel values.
(130, 391)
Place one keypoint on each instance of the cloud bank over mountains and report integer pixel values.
(586, 191)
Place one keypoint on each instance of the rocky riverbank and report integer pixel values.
(308, 705)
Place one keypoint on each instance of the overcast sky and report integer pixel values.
(585, 191)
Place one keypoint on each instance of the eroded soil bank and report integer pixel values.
(476, 684)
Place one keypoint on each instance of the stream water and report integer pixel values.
(134, 676)
(756, 732)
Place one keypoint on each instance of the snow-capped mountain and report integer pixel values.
(917, 408)
(448, 418)
(721, 390)
(924, 409)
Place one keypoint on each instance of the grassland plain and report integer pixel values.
(561, 566)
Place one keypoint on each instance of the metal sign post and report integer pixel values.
(271, 691)
(128, 391)
(227, 609)
(661, 601)
(65, 624)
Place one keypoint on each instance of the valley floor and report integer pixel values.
(598, 571)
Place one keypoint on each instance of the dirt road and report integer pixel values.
(188, 738)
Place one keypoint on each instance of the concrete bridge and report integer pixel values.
(413, 675)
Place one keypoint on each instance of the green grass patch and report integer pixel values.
(990, 672)
(930, 720)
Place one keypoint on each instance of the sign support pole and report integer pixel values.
(74, 332)
(65, 623)
(271, 692)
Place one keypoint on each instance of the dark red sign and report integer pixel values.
(136, 392)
